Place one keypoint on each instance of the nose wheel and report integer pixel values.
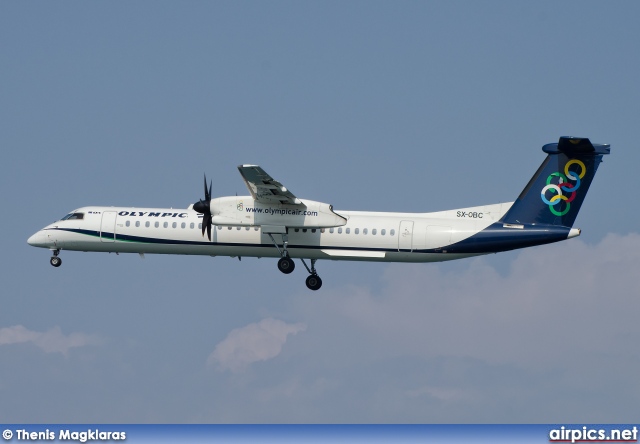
(55, 260)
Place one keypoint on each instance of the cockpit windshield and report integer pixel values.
(73, 216)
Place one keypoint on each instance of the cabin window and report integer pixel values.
(228, 228)
(383, 231)
(304, 230)
(374, 231)
(137, 223)
(331, 230)
(238, 228)
(246, 228)
(340, 230)
(200, 226)
(365, 230)
(165, 225)
(174, 225)
(313, 230)
(322, 230)
(348, 230)
(146, 224)
(127, 224)
(183, 225)
(357, 230)
(157, 224)
(297, 230)
(392, 232)
(255, 228)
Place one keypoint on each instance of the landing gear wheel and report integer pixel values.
(55, 261)
(286, 265)
(314, 282)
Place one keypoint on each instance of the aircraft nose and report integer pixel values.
(37, 240)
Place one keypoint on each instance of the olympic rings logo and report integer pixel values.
(568, 182)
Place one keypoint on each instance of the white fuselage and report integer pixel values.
(368, 236)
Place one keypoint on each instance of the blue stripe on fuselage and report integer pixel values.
(496, 237)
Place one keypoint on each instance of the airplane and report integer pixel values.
(273, 222)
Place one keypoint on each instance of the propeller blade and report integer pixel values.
(204, 207)
(207, 193)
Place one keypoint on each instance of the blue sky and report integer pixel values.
(382, 106)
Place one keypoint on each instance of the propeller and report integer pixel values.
(204, 207)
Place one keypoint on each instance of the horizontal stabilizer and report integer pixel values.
(575, 145)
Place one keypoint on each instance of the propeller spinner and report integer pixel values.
(204, 207)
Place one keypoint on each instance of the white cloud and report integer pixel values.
(555, 302)
(51, 341)
(255, 342)
(464, 341)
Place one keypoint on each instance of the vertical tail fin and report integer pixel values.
(555, 193)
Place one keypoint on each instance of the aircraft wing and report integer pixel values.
(265, 188)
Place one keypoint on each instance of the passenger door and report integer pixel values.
(108, 226)
(405, 236)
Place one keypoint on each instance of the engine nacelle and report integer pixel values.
(243, 210)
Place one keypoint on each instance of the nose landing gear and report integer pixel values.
(55, 260)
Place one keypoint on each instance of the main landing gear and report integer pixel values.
(313, 280)
(55, 260)
(286, 264)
